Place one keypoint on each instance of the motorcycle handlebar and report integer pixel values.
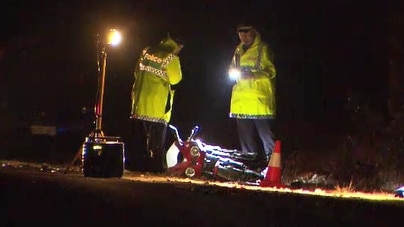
(194, 131)
(176, 134)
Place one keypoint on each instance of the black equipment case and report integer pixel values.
(103, 157)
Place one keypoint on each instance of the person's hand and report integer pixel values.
(247, 75)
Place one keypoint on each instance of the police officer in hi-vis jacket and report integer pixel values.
(253, 95)
(157, 69)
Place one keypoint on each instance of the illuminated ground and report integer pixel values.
(42, 194)
(161, 178)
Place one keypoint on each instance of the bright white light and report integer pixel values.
(114, 37)
(234, 73)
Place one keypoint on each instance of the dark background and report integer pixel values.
(327, 53)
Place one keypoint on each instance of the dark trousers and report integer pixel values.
(256, 136)
(149, 143)
(155, 138)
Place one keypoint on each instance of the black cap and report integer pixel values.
(246, 23)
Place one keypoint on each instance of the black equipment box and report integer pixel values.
(103, 157)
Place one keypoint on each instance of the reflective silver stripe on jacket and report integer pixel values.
(257, 66)
(167, 60)
(159, 72)
(152, 119)
(250, 116)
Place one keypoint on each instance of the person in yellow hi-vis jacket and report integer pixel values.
(253, 103)
(157, 69)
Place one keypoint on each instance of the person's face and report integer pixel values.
(246, 35)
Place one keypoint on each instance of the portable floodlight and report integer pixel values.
(103, 156)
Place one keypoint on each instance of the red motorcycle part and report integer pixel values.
(192, 160)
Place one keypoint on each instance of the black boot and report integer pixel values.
(261, 162)
(155, 162)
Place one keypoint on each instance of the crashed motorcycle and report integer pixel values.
(193, 158)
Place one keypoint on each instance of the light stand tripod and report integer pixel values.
(101, 156)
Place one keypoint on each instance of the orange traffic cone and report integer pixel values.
(273, 174)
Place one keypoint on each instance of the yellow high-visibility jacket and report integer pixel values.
(254, 98)
(157, 69)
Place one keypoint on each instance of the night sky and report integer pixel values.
(325, 52)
